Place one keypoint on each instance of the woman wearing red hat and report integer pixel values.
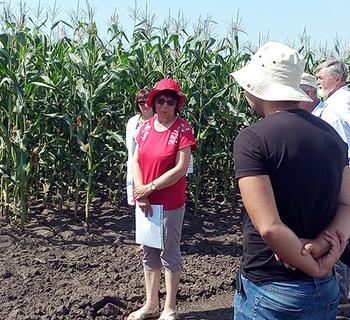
(160, 163)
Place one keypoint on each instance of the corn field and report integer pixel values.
(66, 96)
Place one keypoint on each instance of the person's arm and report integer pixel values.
(340, 223)
(130, 145)
(343, 129)
(128, 136)
(168, 178)
(259, 200)
(129, 133)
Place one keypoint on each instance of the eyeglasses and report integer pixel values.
(169, 102)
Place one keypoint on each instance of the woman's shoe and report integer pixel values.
(170, 315)
(143, 313)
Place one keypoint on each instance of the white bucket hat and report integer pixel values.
(308, 80)
(273, 74)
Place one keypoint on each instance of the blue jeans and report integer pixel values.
(308, 300)
(343, 279)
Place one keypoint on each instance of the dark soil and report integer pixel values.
(53, 269)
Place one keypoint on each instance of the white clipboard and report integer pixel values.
(190, 165)
(149, 230)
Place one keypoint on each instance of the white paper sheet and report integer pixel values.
(149, 230)
(190, 165)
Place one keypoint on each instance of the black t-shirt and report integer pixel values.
(304, 158)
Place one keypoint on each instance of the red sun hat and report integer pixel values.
(166, 84)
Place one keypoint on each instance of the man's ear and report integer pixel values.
(338, 80)
(308, 91)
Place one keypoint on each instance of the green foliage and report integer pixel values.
(65, 101)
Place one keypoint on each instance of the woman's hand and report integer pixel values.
(145, 206)
(141, 191)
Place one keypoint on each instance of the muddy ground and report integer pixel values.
(53, 269)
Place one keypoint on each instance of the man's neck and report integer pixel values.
(271, 107)
(336, 88)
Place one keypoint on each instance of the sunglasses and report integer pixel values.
(169, 102)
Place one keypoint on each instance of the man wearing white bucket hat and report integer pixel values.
(294, 178)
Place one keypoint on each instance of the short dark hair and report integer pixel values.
(142, 94)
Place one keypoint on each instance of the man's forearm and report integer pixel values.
(341, 221)
(288, 246)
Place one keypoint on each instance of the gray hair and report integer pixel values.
(335, 67)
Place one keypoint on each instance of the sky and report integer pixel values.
(283, 21)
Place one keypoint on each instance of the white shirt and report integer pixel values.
(335, 120)
(339, 102)
(318, 109)
(131, 131)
